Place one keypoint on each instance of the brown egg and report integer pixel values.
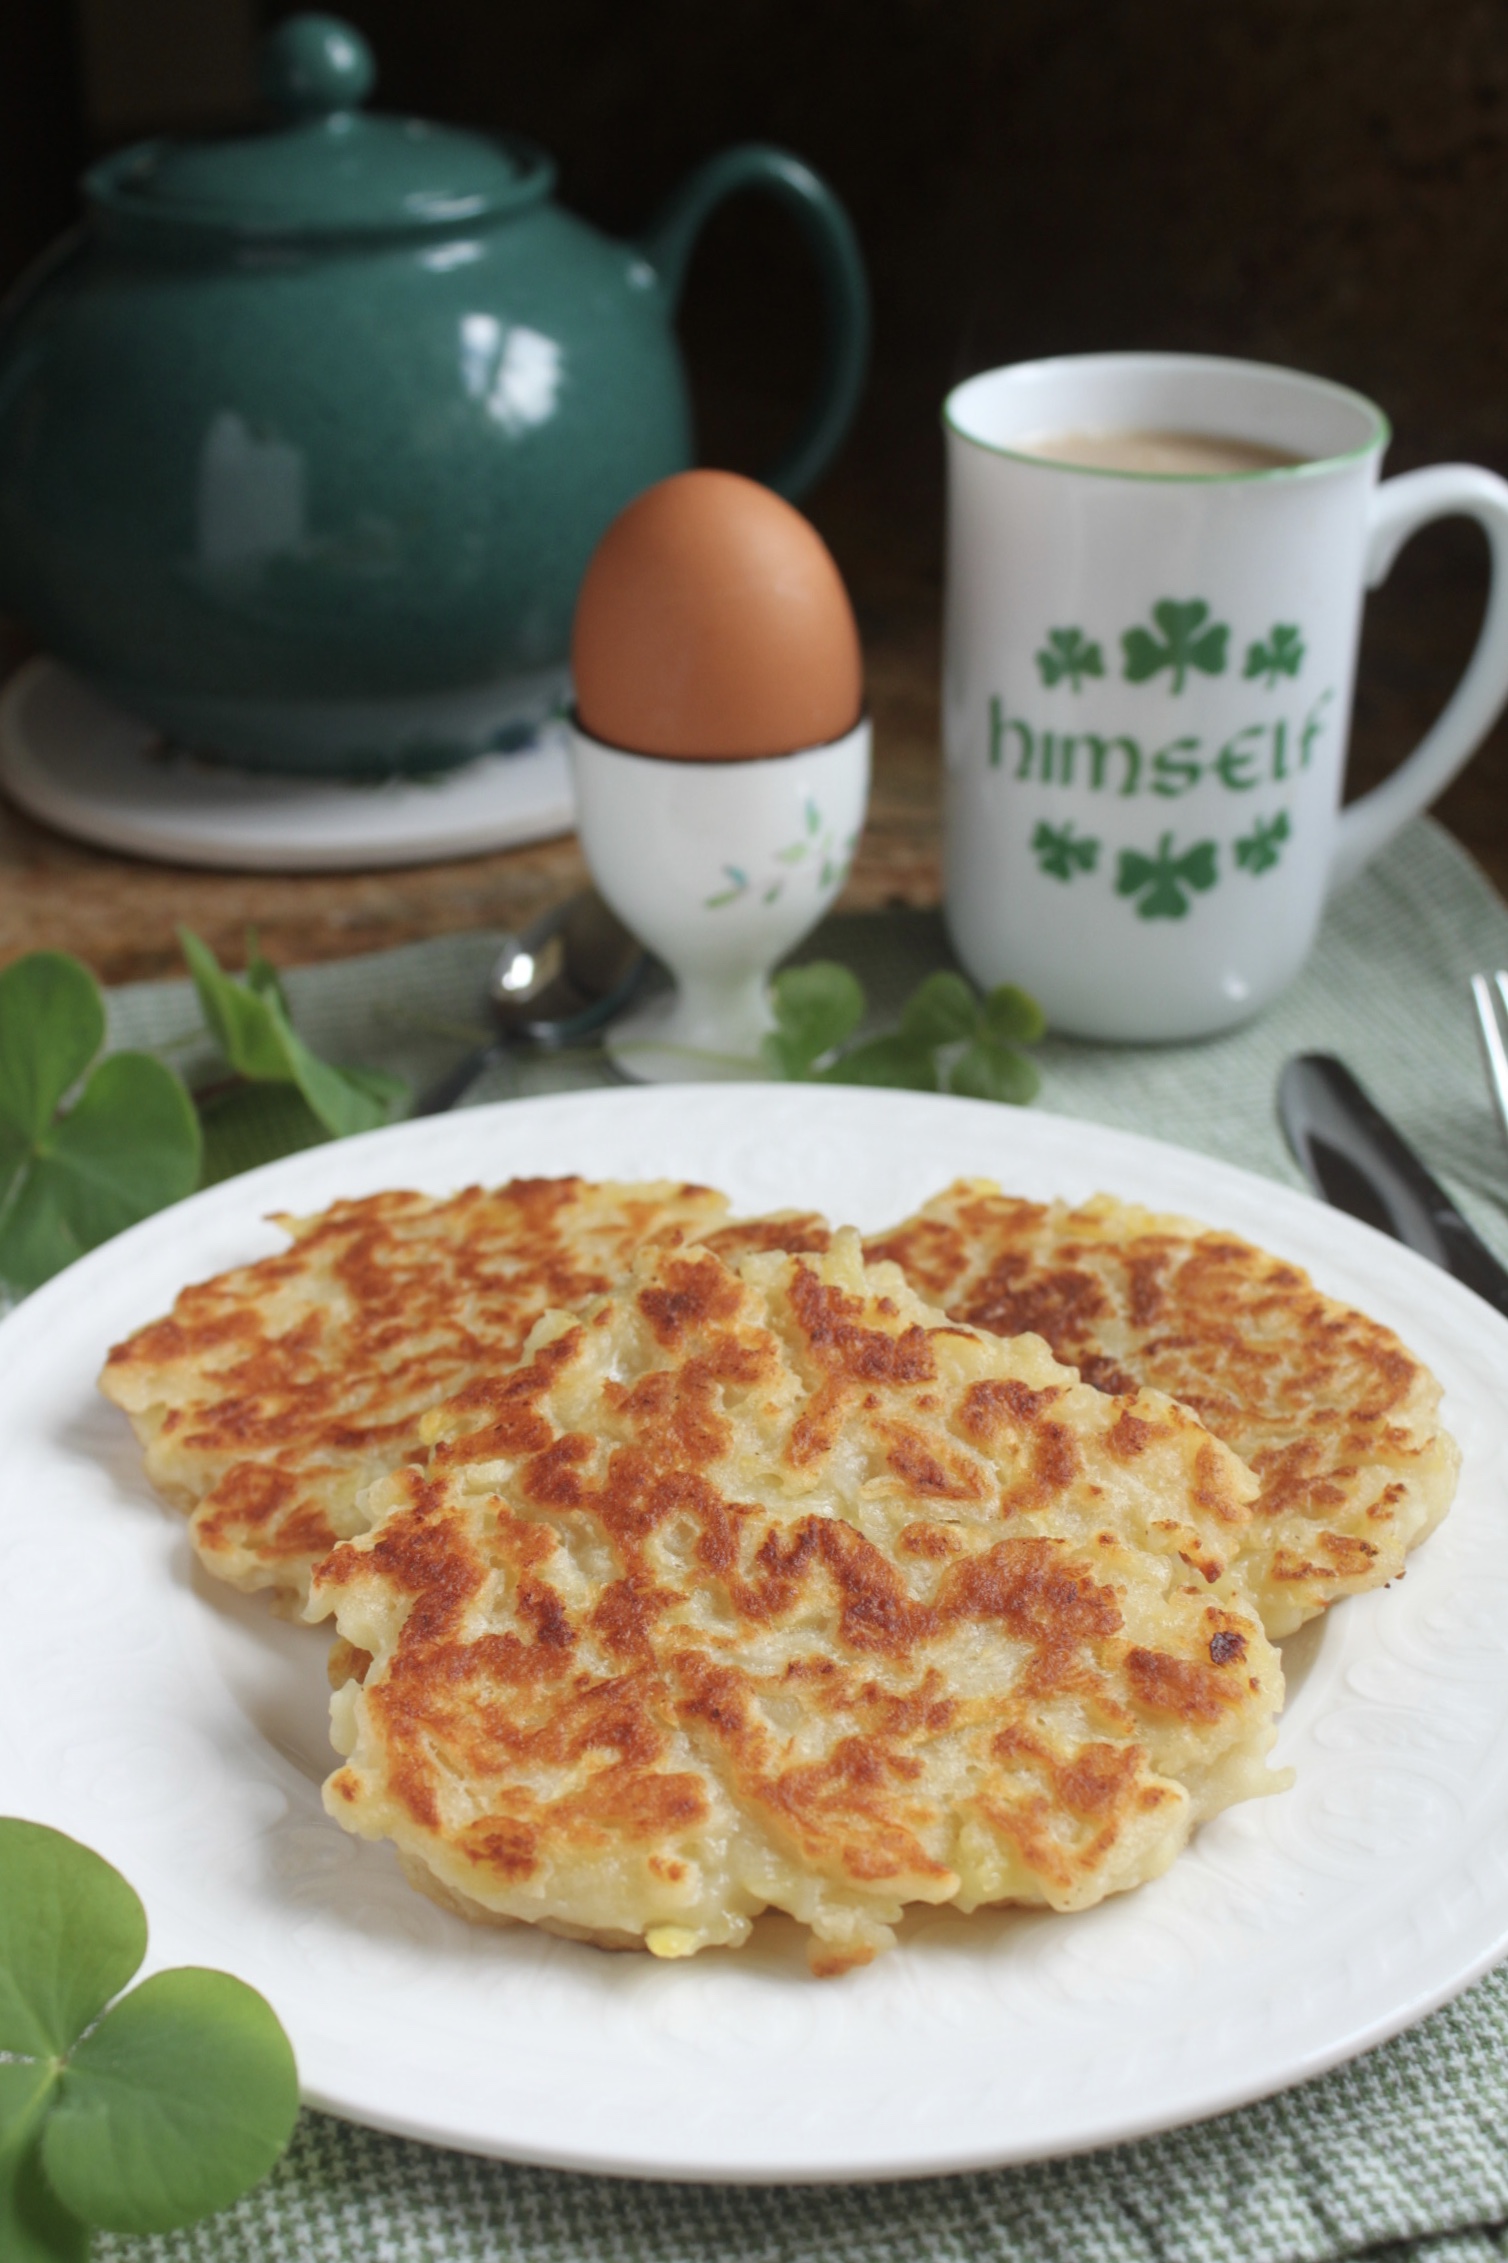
(713, 625)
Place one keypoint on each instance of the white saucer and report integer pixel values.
(101, 775)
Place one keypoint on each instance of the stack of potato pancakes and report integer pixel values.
(684, 1567)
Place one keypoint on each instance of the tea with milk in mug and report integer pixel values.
(1189, 455)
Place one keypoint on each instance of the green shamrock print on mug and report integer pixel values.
(1069, 656)
(1260, 849)
(1182, 640)
(1162, 883)
(1061, 852)
(1165, 882)
(1184, 643)
(1281, 655)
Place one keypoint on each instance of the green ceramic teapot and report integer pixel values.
(306, 437)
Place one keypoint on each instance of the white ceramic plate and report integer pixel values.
(180, 1729)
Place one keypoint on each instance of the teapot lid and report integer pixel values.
(325, 168)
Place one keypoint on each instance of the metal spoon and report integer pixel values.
(567, 974)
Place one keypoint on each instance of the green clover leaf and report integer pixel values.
(1069, 656)
(250, 1023)
(52, 1026)
(816, 1007)
(1010, 1016)
(1282, 655)
(1061, 853)
(34, 2226)
(178, 2102)
(129, 1145)
(896, 1061)
(71, 1935)
(987, 1070)
(137, 2114)
(1260, 849)
(1186, 643)
(1162, 881)
(939, 1011)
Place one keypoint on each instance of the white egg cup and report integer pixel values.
(720, 868)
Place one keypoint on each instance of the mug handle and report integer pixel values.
(840, 267)
(1398, 509)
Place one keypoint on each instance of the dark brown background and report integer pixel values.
(1320, 182)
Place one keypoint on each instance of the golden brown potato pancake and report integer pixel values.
(271, 1396)
(1336, 1418)
(765, 1584)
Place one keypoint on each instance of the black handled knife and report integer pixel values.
(1350, 1154)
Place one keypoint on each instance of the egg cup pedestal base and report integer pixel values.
(708, 1033)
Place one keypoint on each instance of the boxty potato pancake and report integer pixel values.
(764, 1584)
(1337, 1419)
(271, 1396)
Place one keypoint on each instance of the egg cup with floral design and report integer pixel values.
(720, 868)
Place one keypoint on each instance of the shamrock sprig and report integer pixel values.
(87, 1150)
(948, 1038)
(71, 1177)
(136, 2112)
(250, 1022)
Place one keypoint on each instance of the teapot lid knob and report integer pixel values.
(313, 65)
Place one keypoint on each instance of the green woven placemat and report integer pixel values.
(1403, 2154)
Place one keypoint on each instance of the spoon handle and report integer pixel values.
(443, 1094)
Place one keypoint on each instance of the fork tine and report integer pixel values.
(1494, 1054)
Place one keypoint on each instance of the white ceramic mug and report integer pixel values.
(1147, 684)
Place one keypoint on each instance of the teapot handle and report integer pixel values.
(845, 291)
